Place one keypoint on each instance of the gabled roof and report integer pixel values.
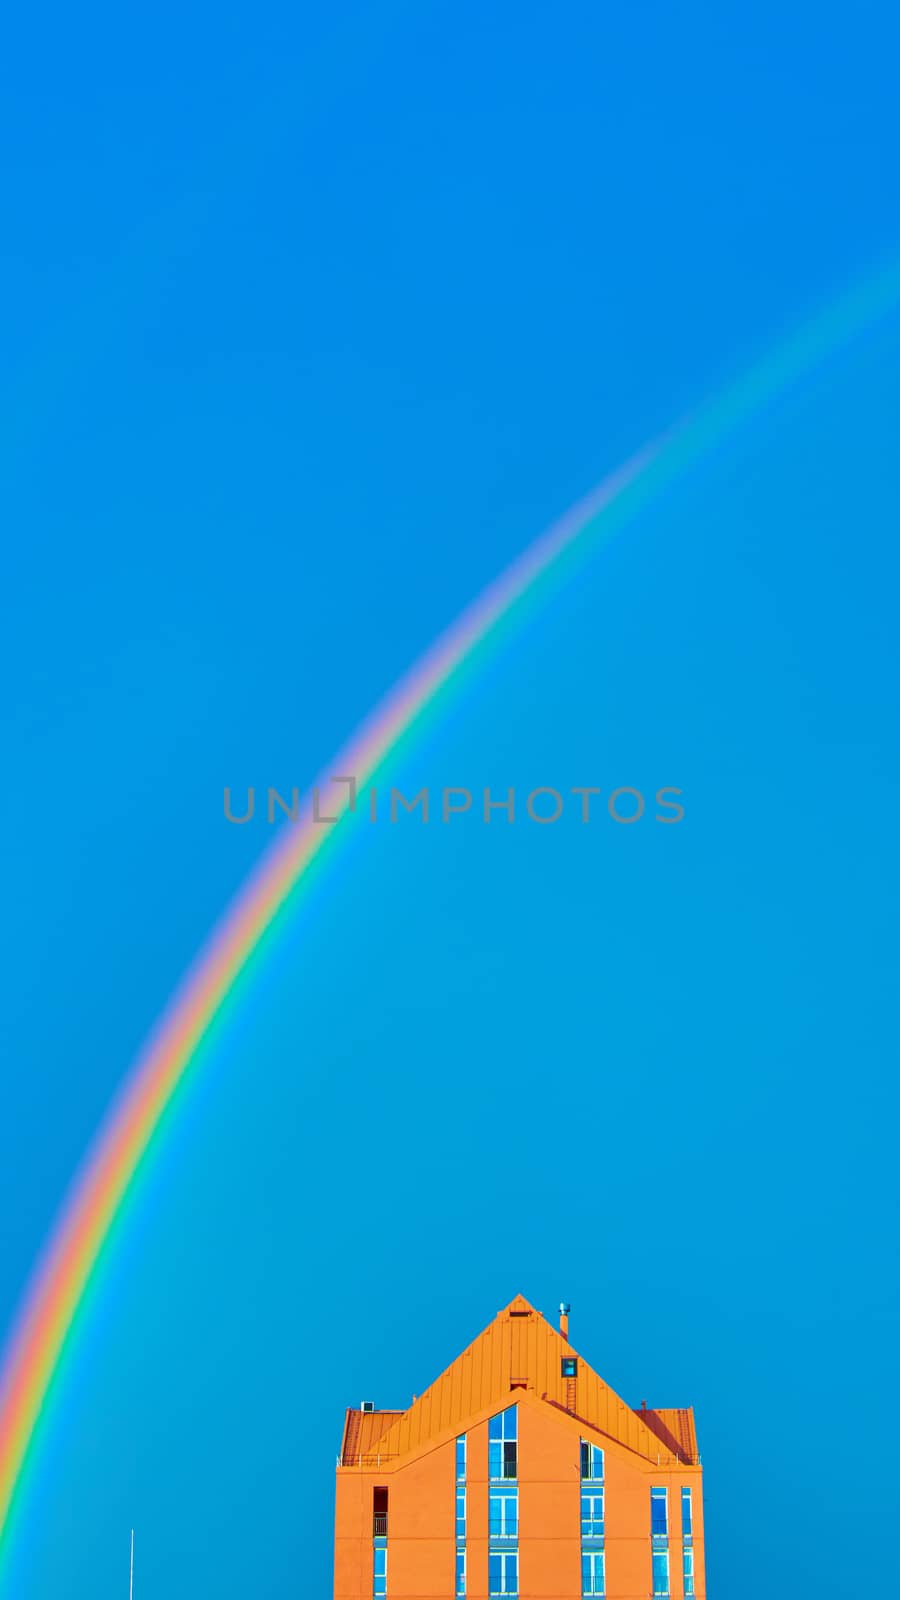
(521, 1351)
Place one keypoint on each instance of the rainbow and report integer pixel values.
(34, 1356)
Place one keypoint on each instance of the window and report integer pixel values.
(591, 1461)
(660, 1572)
(687, 1517)
(592, 1516)
(502, 1434)
(503, 1514)
(570, 1366)
(379, 1586)
(460, 1516)
(688, 1571)
(379, 1513)
(503, 1573)
(593, 1578)
(659, 1513)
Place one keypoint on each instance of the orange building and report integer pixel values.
(519, 1472)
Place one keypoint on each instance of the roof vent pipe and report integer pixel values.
(564, 1310)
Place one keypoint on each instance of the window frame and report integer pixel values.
(504, 1494)
(661, 1556)
(589, 1520)
(504, 1558)
(503, 1445)
(659, 1495)
(687, 1570)
(592, 1563)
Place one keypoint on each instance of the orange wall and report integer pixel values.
(422, 1516)
(353, 1537)
(549, 1506)
(422, 1527)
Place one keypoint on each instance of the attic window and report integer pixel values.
(520, 1313)
(570, 1366)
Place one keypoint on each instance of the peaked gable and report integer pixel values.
(519, 1351)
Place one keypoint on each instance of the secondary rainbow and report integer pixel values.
(69, 1263)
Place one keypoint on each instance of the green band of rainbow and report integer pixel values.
(64, 1272)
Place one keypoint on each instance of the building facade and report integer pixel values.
(519, 1473)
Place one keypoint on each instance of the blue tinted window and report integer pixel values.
(659, 1517)
(503, 1513)
(460, 1513)
(461, 1456)
(592, 1574)
(660, 1572)
(688, 1572)
(460, 1572)
(592, 1515)
(503, 1426)
(591, 1461)
(503, 1574)
(687, 1523)
(379, 1585)
(502, 1458)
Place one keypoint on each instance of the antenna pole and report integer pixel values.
(131, 1579)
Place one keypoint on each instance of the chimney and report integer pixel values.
(564, 1319)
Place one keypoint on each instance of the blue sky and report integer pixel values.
(313, 320)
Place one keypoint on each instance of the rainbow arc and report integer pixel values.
(63, 1276)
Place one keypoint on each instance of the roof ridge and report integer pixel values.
(519, 1350)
